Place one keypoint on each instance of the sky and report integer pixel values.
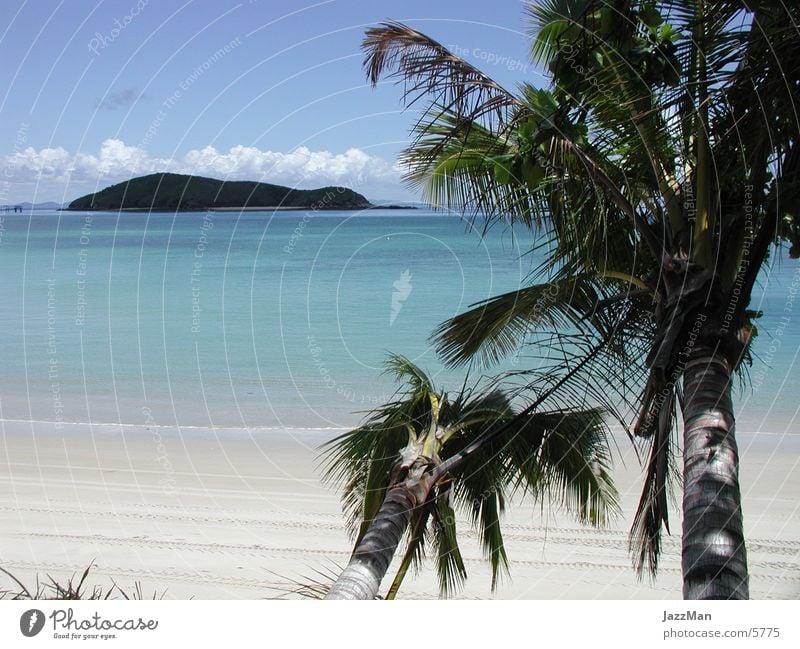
(94, 92)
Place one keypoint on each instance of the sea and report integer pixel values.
(277, 321)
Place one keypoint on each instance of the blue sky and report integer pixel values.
(93, 92)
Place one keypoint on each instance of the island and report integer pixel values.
(178, 192)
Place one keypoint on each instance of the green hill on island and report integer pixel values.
(165, 191)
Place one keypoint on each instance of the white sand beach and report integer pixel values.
(216, 514)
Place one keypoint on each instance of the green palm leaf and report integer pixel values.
(498, 326)
(449, 563)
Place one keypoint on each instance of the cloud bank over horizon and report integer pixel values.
(56, 174)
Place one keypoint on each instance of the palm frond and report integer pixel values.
(426, 67)
(450, 566)
(566, 455)
(404, 371)
(454, 161)
(498, 326)
(478, 488)
(360, 463)
(652, 512)
(553, 455)
(551, 22)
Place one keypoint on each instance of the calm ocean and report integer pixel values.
(271, 320)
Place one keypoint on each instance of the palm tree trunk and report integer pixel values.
(371, 558)
(714, 557)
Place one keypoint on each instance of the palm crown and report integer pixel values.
(473, 452)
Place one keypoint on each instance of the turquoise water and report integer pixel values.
(259, 319)
(274, 320)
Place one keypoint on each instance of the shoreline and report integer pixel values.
(166, 210)
(226, 514)
(264, 208)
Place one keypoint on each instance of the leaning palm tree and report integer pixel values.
(662, 166)
(418, 460)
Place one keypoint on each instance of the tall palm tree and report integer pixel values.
(418, 459)
(661, 166)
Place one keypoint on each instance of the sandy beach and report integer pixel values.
(232, 514)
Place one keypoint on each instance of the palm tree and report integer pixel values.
(661, 167)
(418, 459)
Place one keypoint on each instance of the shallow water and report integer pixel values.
(269, 319)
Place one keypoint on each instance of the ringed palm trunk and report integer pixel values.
(714, 559)
(370, 560)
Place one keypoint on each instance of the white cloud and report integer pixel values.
(60, 175)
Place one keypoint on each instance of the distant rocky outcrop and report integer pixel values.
(27, 206)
